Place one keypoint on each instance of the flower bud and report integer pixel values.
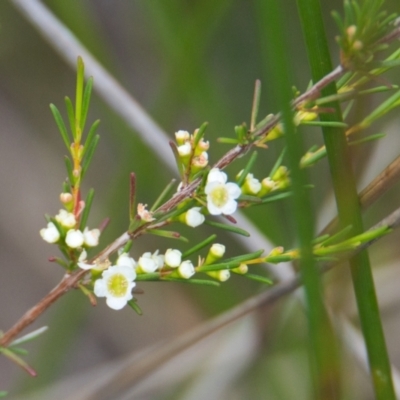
(222, 275)
(50, 234)
(66, 219)
(173, 258)
(251, 185)
(185, 150)
(186, 269)
(66, 198)
(74, 238)
(182, 137)
(275, 132)
(215, 253)
(91, 238)
(194, 217)
(267, 185)
(241, 269)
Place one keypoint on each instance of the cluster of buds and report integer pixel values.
(278, 181)
(300, 116)
(63, 231)
(192, 152)
(116, 281)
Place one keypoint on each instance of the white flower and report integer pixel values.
(74, 238)
(91, 238)
(173, 258)
(186, 269)
(194, 217)
(50, 234)
(221, 196)
(116, 285)
(124, 259)
(66, 219)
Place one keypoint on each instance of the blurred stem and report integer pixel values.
(347, 202)
(323, 354)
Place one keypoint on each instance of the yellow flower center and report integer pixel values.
(117, 285)
(219, 196)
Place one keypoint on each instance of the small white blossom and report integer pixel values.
(66, 219)
(194, 217)
(116, 285)
(173, 258)
(91, 238)
(74, 238)
(186, 269)
(221, 196)
(50, 234)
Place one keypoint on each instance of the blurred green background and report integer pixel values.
(185, 62)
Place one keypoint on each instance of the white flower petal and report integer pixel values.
(233, 190)
(229, 207)
(100, 288)
(83, 265)
(117, 303)
(124, 259)
(216, 175)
